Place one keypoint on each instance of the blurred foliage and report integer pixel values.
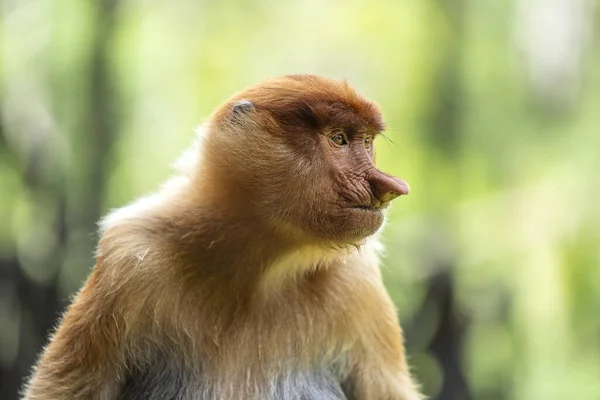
(493, 109)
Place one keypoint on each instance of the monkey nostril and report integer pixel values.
(388, 196)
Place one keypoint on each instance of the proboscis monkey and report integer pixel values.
(252, 274)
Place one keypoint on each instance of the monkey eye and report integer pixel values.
(340, 139)
(368, 142)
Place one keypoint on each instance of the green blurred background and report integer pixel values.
(493, 109)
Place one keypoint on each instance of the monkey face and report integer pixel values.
(304, 147)
(337, 192)
(354, 194)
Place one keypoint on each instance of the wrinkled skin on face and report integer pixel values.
(310, 166)
(354, 192)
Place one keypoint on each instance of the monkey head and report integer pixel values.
(299, 155)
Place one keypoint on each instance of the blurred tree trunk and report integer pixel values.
(39, 305)
(443, 131)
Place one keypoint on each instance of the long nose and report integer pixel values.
(387, 187)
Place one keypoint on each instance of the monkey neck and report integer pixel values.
(242, 251)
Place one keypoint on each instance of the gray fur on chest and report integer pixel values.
(163, 380)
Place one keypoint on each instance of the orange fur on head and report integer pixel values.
(253, 274)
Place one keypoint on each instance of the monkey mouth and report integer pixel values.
(374, 208)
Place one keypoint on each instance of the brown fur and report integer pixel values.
(248, 266)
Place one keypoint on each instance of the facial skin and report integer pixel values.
(359, 190)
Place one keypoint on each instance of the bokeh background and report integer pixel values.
(493, 109)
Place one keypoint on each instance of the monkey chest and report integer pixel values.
(164, 380)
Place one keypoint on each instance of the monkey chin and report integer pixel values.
(369, 220)
(353, 225)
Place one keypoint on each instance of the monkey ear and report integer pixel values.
(242, 107)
